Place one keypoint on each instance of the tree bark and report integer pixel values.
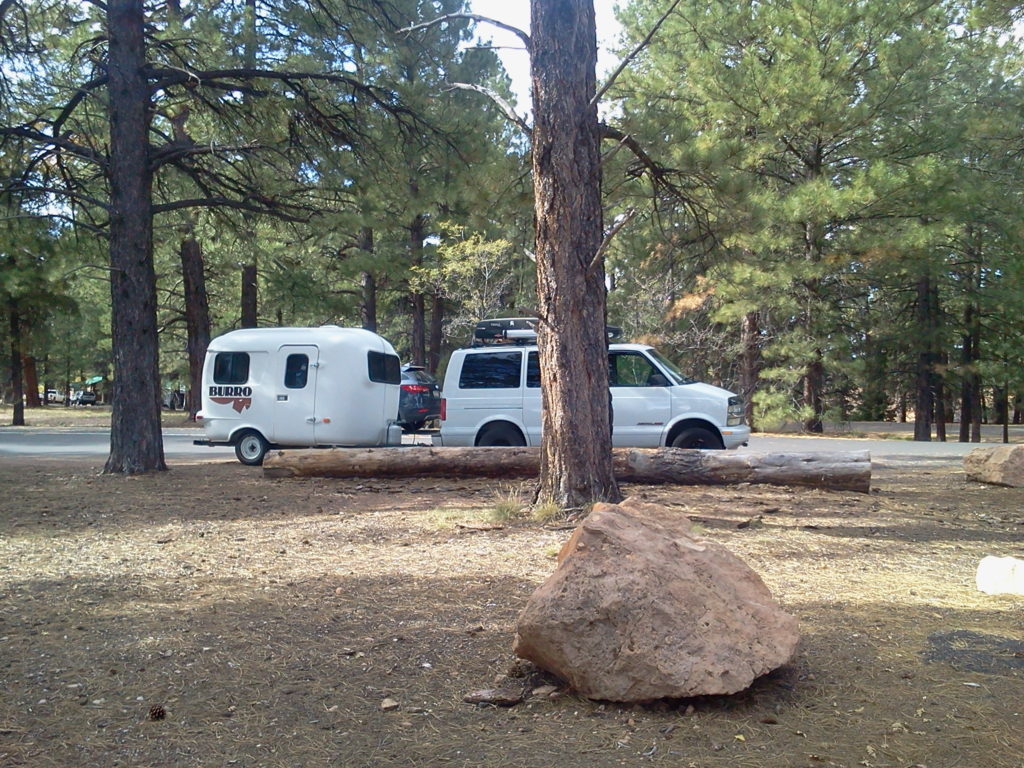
(135, 438)
(197, 319)
(576, 465)
(850, 471)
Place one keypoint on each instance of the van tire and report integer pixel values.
(502, 434)
(251, 447)
(698, 437)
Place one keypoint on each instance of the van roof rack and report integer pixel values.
(518, 330)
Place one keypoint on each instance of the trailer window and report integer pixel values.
(491, 370)
(384, 369)
(296, 371)
(231, 368)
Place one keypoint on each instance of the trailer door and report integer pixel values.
(294, 394)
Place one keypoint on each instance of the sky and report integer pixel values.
(513, 56)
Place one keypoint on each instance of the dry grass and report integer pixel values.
(270, 619)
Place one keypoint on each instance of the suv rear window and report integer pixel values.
(491, 370)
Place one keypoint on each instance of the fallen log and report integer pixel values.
(846, 471)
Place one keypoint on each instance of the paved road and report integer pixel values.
(93, 443)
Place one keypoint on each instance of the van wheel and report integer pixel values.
(500, 435)
(697, 437)
(251, 447)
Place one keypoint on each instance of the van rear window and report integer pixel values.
(383, 368)
(231, 368)
(491, 370)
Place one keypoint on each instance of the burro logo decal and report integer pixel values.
(239, 398)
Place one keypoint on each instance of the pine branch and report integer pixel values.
(633, 54)
(507, 109)
(472, 17)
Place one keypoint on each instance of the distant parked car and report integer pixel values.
(419, 400)
(86, 397)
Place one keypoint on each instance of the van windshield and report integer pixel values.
(674, 373)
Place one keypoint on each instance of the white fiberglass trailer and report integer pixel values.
(265, 387)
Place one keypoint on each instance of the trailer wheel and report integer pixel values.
(251, 447)
(697, 437)
(500, 434)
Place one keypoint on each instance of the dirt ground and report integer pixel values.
(207, 616)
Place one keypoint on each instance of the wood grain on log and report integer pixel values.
(848, 470)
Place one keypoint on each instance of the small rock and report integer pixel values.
(544, 690)
(389, 705)
(499, 697)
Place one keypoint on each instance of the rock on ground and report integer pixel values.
(999, 465)
(640, 608)
(1000, 576)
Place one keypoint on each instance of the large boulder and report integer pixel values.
(999, 465)
(641, 608)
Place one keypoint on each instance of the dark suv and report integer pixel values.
(86, 397)
(420, 398)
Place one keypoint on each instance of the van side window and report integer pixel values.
(296, 371)
(533, 370)
(231, 368)
(491, 370)
(631, 369)
(384, 369)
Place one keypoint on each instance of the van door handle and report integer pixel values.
(311, 419)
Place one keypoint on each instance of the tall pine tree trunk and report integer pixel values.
(814, 386)
(250, 272)
(576, 459)
(250, 296)
(17, 384)
(924, 403)
(135, 438)
(368, 305)
(417, 304)
(750, 333)
(197, 319)
(436, 328)
(31, 379)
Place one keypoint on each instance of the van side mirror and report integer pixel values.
(657, 380)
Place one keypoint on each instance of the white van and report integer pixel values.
(265, 387)
(491, 396)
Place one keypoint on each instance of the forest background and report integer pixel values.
(814, 203)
